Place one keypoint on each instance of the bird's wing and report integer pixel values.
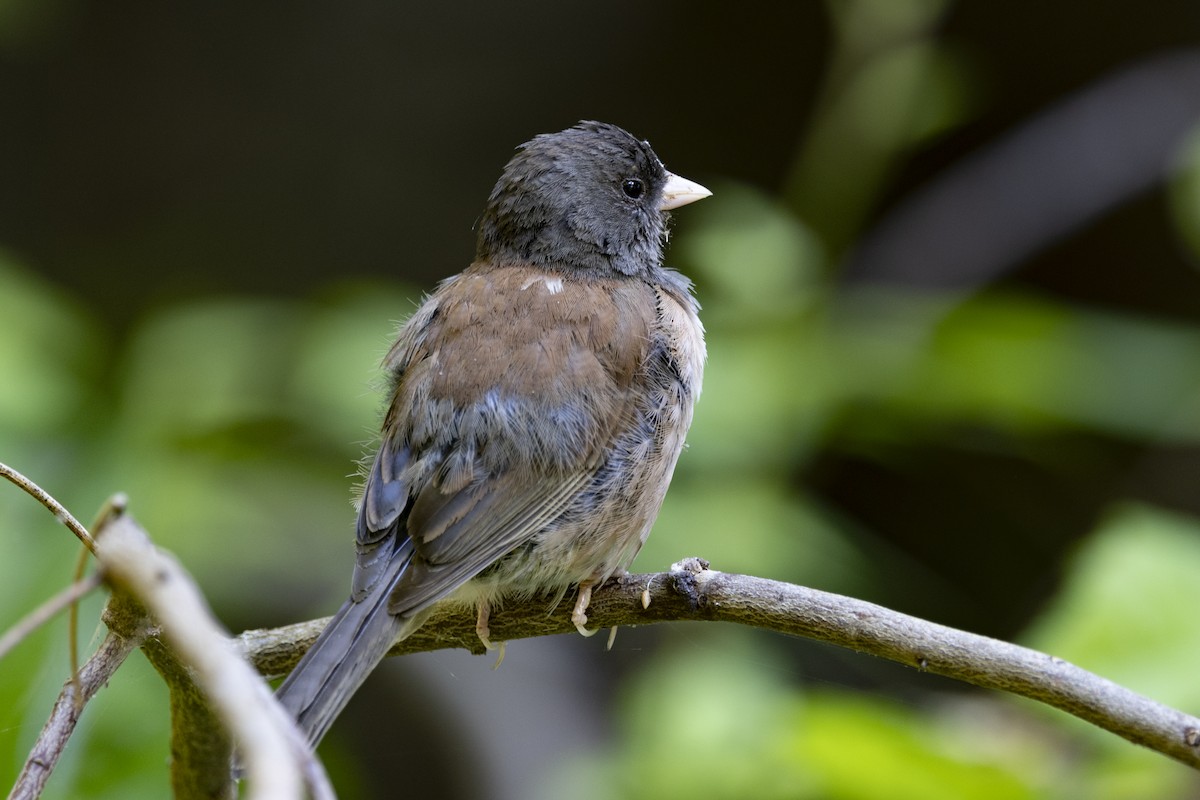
(454, 534)
(461, 534)
(380, 528)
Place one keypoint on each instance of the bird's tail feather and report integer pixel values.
(354, 642)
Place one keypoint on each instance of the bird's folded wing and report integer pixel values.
(461, 534)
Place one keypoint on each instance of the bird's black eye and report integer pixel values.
(632, 188)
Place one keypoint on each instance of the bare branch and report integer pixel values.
(67, 708)
(47, 611)
(691, 591)
(55, 507)
(203, 669)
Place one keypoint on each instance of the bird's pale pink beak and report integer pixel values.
(680, 191)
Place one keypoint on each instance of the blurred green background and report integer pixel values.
(949, 278)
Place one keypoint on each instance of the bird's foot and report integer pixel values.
(483, 613)
(579, 615)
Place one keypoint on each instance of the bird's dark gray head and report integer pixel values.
(591, 198)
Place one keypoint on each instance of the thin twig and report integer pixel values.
(47, 610)
(112, 506)
(73, 617)
(61, 724)
(55, 507)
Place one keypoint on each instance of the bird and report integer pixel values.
(538, 402)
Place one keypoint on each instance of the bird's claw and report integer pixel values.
(483, 613)
(579, 614)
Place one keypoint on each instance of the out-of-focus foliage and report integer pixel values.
(219, 418)
(1185, 195)
(730, 703)
(708, 704)
(1122, 610)
(234, 424)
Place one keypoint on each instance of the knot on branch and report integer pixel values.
(685, 578)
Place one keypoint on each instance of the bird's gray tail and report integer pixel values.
(354, 642)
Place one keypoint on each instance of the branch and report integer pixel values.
(215, 696)
(47, 611)
(55, 507)
(691, 591)
(200, 667)
(58, 728)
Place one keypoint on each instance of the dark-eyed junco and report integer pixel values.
(539, 402)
